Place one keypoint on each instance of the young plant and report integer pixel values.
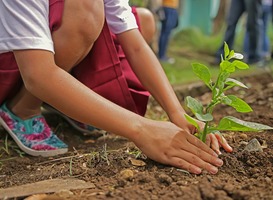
(229, 64)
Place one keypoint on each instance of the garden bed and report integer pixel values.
(115, 169)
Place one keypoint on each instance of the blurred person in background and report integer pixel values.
(253, 8)
(264, 39)
(169, 20)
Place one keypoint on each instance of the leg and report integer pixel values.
(72, 41)
(236, 10)
(265, 40)
(254, 24)
(167, 25)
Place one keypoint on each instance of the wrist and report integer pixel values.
(177, 116)
(135, 129)
(139, 130)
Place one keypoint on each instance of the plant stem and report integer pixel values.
(204, 133)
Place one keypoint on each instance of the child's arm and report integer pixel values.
(150, 73)
(162, 141)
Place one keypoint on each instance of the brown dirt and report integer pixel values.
(110, 162)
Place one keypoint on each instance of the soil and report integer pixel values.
(118, 170)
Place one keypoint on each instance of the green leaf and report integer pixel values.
(202, 72)
(226, 66)
(230, 123)
(239, 64)
(232, 82)
(192, 121)
(194, 105)
(222, 79)
(226, 100)
(226, 50)
(204, 117)
(197, 109)
(231, 54)
(239, 104)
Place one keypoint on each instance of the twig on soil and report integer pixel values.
(74, 156)
(184, 171)
(70, 167)
(64, 158)
(7, 159)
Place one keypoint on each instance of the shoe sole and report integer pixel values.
(94, 133)
(28, 150)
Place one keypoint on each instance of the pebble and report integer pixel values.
(163, 178)
(138, 163)
(126, 174)
(243, 136)
(253, 145)
(154, 197)
(267, 180)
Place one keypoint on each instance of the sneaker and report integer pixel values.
(85, 129)
(167, 60)
(259, 63)
(33, 135)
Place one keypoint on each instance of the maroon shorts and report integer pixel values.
(105, 69)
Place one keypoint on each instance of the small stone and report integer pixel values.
(255, 175)
(154, 197)
(126, 174)
(138, 163)
(243, 136)
(163, 178)
(229, 188)
(267, 180)
(253, 145)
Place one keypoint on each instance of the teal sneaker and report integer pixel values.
(33, 135)
(85, 129)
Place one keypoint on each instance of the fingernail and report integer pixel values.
(197, 171)
(215, 154)
(219, 162)
(213, 170)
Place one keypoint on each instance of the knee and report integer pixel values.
(82, 23)
(147, 24)
(91, 20)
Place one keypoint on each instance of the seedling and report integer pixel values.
(7, 147)
(70, 167)
(229, 64)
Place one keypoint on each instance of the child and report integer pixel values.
(45, 50)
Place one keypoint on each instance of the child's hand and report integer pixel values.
(215, 141)
(168, 144)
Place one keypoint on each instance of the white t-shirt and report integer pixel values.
(24, 24)
(119, 16)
